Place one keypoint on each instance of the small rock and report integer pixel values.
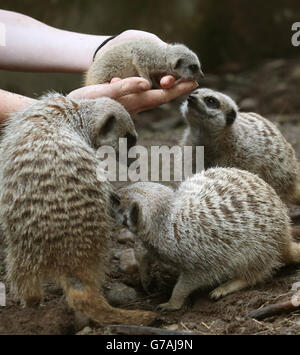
(120, 294)
(125, 236)
(85, 331)
(128, 263)
(248, 104)
(172, 327)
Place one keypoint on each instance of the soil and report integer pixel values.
(271, 89)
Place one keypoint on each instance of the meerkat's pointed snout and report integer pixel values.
(192, 100)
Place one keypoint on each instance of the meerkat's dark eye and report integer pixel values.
(194, 68)
(107, 126)
(212, 102)
(230, 117)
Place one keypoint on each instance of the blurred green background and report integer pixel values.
(228, 35)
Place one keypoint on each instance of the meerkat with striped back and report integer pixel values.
(242, 140)
(55, 204)
(144, 58)
(223, 226)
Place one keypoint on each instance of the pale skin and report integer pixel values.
(53, 50)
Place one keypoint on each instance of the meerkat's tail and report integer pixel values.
(93, 305)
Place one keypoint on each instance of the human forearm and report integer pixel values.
(34, 46)
(10, 103)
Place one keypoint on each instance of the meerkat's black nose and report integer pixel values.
(192, 99)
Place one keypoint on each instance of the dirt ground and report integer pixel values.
(271, 89)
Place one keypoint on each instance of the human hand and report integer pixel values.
(134, 93)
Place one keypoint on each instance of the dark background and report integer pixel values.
(228, 35)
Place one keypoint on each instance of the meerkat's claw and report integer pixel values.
(228, 287)
(217, 293)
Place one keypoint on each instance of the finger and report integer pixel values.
(149, 99)
(166, 82)
(114, 80)
(128, 86)
(113, 90)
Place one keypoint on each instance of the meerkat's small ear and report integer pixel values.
(230, 117)
(178, 63)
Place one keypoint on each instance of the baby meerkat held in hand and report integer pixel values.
(144, 58)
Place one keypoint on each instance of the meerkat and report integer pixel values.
(54, 208)
(222, 226)
(144, 58)
(242, 140)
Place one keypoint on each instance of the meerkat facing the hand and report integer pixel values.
(242, 140)
(222, 226)
(55, 208)
(144, 58)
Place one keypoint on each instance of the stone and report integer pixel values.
(172, 327)
(125, 236)
(120, 294)
(128, 263)
(85, 331)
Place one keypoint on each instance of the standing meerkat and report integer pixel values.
(144, 58)
(242, 140)
(222, 226)
(54, 211)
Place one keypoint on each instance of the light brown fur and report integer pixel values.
(145, 58)
(55, 213)
(223, 226)
(242, 140)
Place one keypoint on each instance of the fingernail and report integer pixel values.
(143, 86)
(195, 85)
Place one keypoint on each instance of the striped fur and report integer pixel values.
(251, 143)
(223, 224)
(145, 58)
(54, 212)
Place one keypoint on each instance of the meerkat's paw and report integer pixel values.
(227, 288)
(168, 306)
(218, 292)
